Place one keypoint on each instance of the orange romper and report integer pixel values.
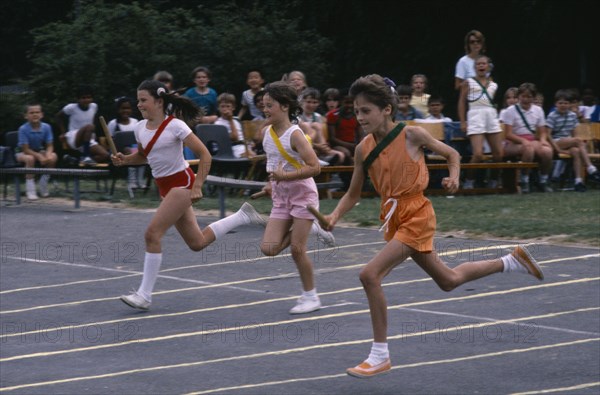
(400, 182)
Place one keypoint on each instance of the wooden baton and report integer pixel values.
(320, 217)
(111, 143)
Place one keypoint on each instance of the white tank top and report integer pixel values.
(477, 98)
(274, 157)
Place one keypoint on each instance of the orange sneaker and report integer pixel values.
(365, 370)
(522, 255)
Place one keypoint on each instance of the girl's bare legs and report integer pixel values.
(277, 237)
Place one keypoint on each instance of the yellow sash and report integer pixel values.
(282, 150)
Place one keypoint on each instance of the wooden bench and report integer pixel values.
(74, 173)
(510, 176)
(223, 182)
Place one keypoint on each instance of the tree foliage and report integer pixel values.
(113, 47)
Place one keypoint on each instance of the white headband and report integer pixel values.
(160, 90)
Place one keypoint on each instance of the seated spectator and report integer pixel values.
(36, 145)
(298, 80)
(331, 100)
(125, 123)
(204, 96)
(561, 123)
(312, 124)
(80, 133)
(419, 97)
(406, 112)
(343, 129)
(435, 105)
(166, 78)
(226, 106)
(511, 96)
(255, 82)
(527, 138)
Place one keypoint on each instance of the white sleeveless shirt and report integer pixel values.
(274, 157)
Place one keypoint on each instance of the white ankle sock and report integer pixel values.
(222, 226)
(524, 178)
(379, 353)
(512, 265)
(152, 263)
(578, 180)
(591, 169)
(310, 294)
(543, 178)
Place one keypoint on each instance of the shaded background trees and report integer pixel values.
(53, 46)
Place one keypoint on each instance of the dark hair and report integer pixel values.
(404, 90)
(200, 69)
(179, 106)
(479, 36)
(84, 90)
(563, 94)
(375, 90)
(33, 104)
(284, 94)
(435, 99)
(527, 86)
(258, 96)
(123, 99)
(255, 70)
(331, 94)
(310, 92)
(163, 76)
(512, 89)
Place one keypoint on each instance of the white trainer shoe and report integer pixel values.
(325, 236)
(306, 304)
(136, 301)
(255, 218)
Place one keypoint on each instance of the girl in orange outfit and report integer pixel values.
(400, 176)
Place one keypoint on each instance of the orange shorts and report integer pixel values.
(412, 223)
(183, 179)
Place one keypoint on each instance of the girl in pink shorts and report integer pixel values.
(291, 163)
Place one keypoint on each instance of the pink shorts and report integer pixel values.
(290, 198)
(183, 179)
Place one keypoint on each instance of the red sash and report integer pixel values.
(159, 131)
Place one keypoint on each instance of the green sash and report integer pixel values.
(381, 146)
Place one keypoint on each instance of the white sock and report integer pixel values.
(221, 227)
(315, 229)
(578, 180)
(543, 178)
(525, 178)
(591, 169)
(379, 353)
(45, 178)
(310, 294)
(512, 265)
(152, 263)
(30, 184)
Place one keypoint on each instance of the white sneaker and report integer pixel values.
(88, 161)
(136, 301)
(32, 195)
(43, 184)
(253, 216)
(325, 236)
(306, 304)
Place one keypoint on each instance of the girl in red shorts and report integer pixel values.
(160, 139)
(393, 156)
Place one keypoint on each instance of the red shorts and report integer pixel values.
(184, 179)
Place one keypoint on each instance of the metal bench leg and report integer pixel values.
(17, 189)
(222, 201)
(76, 191)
